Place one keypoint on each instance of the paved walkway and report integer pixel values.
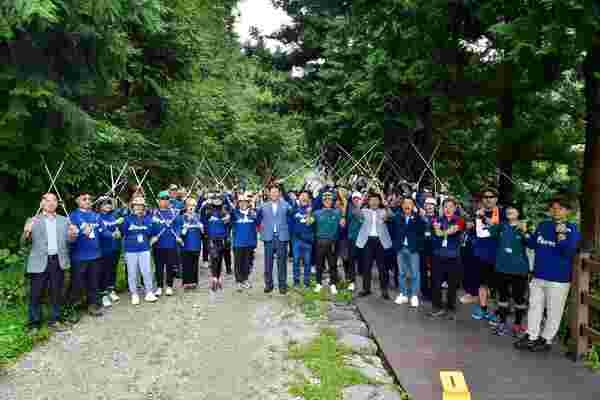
(417, 348)
(183, 347)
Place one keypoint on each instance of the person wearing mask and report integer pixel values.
(137, 229)
(191, 233)
(86, 255)
(373, 238)
(409, 234)
(555, 242)
(244, 240)
(512, 268)
(167, 224)
(216, 219)
(302, 239)
(48, 259)
(355, 221)
(328, 221)
(111, 251)
(446, 260)
(273, 216)
(484, 249)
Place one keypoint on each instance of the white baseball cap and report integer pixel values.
(357, 194)
(430, 200)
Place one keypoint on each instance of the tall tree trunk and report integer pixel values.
(504, 153)
(591, 168)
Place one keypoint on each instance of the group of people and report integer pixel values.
(420, 244)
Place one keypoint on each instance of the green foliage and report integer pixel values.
(593, 358)
(14, 338)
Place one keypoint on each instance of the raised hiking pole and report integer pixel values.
(52, 181)
(53, 186)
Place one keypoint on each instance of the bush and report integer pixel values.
(13, 288)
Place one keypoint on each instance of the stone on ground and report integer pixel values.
(350, 327)
(369, 392)
(371, 367)
(341, 315)
(359, 344)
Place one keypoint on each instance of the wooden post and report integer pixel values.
(580, 312)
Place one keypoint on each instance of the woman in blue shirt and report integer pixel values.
(191, 233)
(244, 240)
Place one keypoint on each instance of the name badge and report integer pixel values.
(140, 238)
(508, 250)
(445, 243)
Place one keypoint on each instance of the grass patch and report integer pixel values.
(324, 358)
(14, 338)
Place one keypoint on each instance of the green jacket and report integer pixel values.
(355, 221)
(511, 257)
(327, 223)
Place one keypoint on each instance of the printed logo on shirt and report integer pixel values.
(134, 227)
(543, 242)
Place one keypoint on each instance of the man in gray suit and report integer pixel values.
(273, 218)
(49, 235)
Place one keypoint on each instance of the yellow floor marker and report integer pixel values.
(454, 386)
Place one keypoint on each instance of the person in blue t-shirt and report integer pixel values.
(137, 230)
(555, 242)
(86, 254)
(244, 225)
(111, 251)
(191, 232)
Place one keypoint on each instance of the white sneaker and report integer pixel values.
(351, 287)
(401, 299)
(318, 288)
(333, 289)
(169, 291)
(414, 301)
(158, 292)
(150, 298)
(135, 299)
(444, 285)
(106, 302)
(114, 297)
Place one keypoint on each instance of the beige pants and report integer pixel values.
(551, 296)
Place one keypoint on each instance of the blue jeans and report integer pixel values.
(301, 250)
(281, 248)
(408, 263)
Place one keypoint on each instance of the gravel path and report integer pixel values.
(183, 347)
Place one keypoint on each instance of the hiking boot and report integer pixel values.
(106, 302)
(135, 299)
(94, 310)
(540, 345)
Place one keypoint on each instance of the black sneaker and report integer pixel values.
(268, 290)
(95, 311)
(385, 296)
(450, 315)
(364, 293)
(540, 345)
(524, 343)
(437, 314)
(282, 290)
(57, 326)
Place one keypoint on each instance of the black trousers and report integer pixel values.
(205, 248)
(326, 252)
(243, 258)
(425, 272)
(165, 260)
(374, 251)
(216, 250)
(108, 275)
(190, 261)
(52, 278)
(391, 263)
(227, 255)
(356, 261)
(449, 270)
(517, 286)
(85, 275)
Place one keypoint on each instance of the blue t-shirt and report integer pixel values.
(86, 248)
(192, 225)
(109, 245)
(553, 258)
(137, 232)
(244, 228)
(167, 224)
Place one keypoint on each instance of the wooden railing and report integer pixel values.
(583, 303)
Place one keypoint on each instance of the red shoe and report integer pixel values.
(518, 329)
